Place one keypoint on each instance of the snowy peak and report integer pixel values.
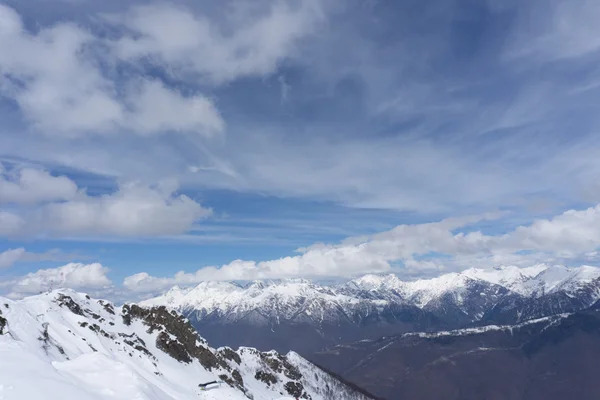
(377, 282)
(536, 280)
(65, 345)
(259, 300)
(455, 299)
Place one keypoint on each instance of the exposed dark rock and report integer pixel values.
(227, 379)
(238, 378)
(44, 335)
(235, 380)
(66, 301)
(96, 328)
(265, 377)
(109, 308)
(186, 343)
(139, 345)
(94, 315)
(296, 390)
(172, 348)
(127, 319)
(279, 363)
(229, 354)
(3, 323)
(144, 350)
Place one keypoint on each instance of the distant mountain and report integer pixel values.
(65, 345)
(550, 358)
(304, 316)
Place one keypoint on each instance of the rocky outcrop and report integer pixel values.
(229, 354)
(177, 337)
(68, 302)
(265, 377)
(296, 390)
(3, 323)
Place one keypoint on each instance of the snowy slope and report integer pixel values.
(65, 345)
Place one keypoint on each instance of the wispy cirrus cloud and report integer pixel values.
(11, 256)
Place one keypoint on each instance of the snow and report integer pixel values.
(102, 366)
(487, 328)
(530, 281)
(78, 363)
(283, 299)
(301, 300)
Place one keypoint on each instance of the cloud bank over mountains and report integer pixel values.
(407, 250)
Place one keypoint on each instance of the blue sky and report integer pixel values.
(309, 138)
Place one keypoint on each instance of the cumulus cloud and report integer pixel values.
(59, 82)
(30, 186)
(420, 249)
(73, 275)
(65, 78)
(134, 209)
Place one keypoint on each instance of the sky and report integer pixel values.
(147, 144)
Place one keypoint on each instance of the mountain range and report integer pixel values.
(64, 345)
(502, 333)
(305, 316)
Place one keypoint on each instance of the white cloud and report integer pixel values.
(72, 275)
(134, 209)
(436, 167)
(65, 78)
(12, 256)
(10, 223)
(29, 186)
(156, 108)
(188, 43)
(422, 249)
(56, 77)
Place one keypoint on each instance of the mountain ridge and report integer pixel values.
(280, 313)
(66, 345)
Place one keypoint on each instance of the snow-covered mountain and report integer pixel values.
(64, 345)
(272, 313)
(264, 302)
(533, 281)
